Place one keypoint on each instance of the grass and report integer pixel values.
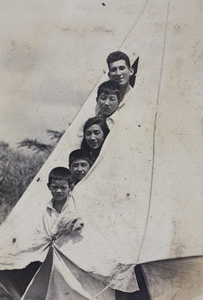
(16, 172)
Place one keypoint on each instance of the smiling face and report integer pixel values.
(107, 103)
(94, 136)
(120, 72)
(59, 189)
(79, 168)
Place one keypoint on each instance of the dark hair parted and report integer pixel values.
(59, 173)
(109, 86)
(92, 121)
(79, 154)
(118, 55)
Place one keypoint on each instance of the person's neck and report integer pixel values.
(76, 180)
(104, 117)
(124, 90)
(58, 205)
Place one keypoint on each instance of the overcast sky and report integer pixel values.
(51, 56)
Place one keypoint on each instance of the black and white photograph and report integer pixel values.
(101, 150)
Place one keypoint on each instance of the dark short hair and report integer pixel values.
(118, 55)
(110, 85)
(92, 121)
(59, 173)
(79, 154)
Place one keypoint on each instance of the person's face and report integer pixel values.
(79, 168)
(120, 72)
(59, 189)
(108, 103)
(94, 136)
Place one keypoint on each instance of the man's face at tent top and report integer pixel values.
(120, 72)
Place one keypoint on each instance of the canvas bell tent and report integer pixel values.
(141, 202)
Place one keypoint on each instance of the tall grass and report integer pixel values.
(16, 172)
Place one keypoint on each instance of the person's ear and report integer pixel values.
(48, 184)
(131, 71)
(97, 99)
(109, 75)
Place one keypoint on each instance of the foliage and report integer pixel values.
(55, 135)
(16, 172)
(37, 146)
(17, 169)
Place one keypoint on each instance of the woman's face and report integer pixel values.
(94, 136)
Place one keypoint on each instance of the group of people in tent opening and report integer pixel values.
(61, 180)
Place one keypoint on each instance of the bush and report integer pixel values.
(16, 172)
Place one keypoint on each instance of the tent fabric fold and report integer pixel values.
(59, 278)
(141, 202)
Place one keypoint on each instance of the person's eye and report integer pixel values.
(113, 69)
(75, 165)
(112, 99)
(84, 165)
(102, 97)
(87, 133)
(122, 68)
(97, 132)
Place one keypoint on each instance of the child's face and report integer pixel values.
(79, 168)
(108, 103)
(59, 189)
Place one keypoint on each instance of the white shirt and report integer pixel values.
(51, 217)
(111, 120)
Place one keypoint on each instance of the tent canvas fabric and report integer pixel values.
(175, 279)
(141, 202)
(58, 278)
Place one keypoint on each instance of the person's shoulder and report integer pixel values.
(111, 120)
(71, 201)
(47, 209)
(126, 98)
(49, 205)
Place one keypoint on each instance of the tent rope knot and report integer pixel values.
(53, 239)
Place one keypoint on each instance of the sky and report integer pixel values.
(52, 55)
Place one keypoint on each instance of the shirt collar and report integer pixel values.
(50, 203)
(113, 117)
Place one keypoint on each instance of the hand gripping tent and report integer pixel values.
(141, 202)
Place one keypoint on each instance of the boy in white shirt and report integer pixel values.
(59, 223)
(60, 216)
